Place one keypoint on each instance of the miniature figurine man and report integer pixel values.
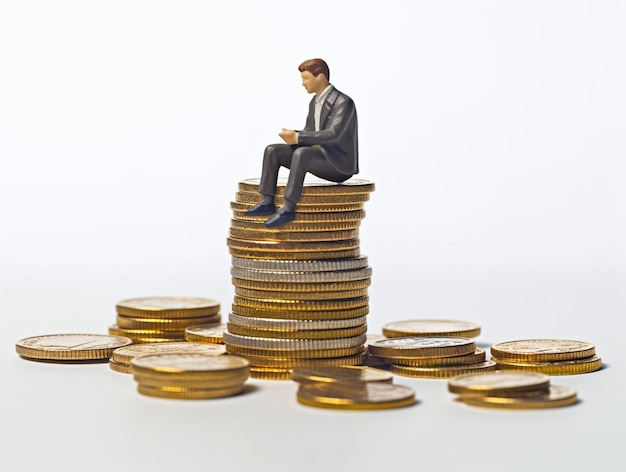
(327, 146)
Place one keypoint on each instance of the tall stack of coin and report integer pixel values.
(162, 319)
(548, 356)
(430, 356)
(300, 289)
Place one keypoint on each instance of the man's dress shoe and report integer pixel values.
(261, 209)
(282, 217)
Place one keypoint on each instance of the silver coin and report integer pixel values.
(331, 265)
(309, 277)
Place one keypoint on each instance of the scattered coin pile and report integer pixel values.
(300, 289)
(162, 319)
(121, 357)
(548, 356)
(350, 388)
(189, 376)
(70, 348)
(429, 356)
(511, 390)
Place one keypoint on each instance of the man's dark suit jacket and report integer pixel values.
(337, 136)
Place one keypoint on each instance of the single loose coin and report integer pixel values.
(498, 383)
(187, 394)
(355, 396)
(346, 374)
(557, 396)
(206, 333)
(422, 346)
(464, 329)
(168, 307)
(187, 363)
(442, 372)
(124, 355)
(541, 350)
(70, 347)
(571, 367)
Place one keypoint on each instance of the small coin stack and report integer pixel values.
(189, 376)
(162, 319)
(300, 289)
(511, 390)
(430, 356)
(70, 348)
(547, 356)
(121, 357)
(350, 388)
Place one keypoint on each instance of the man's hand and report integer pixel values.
(289, 136)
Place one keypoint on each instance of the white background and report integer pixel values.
(494, 132)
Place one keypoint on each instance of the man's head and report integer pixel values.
(315, 75)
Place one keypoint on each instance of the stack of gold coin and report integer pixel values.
(189, 376)
(511, 390)
(70, 348)
(162, 319)
(120, 360)
(548, 356)
(300, 289)
(430, 356)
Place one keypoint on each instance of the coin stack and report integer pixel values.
(430, 356)
(547, 356)
(162, 319)
(300, 289)
(121, 358)
(511, 390)
(189, 376)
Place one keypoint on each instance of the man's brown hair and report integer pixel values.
(315, 67)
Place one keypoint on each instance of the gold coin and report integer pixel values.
(128, 322)
(271, 246)
(571, 367)
(275, 255)
(188, 365)
(463, 329)
(70, 347)
(206, 333)
(355, 396)
(302, 305)
(296, 226)
(214, 380)
(292, 237)
(299, 325)
(296, 333)
(542, 350)
(308, 208)
(168, 307)
(288, 363)
(265, 294)
(314, 186)
(557, 396)
(270, 373)
(153, 339)
(498, 383)
(301, 287)
(345, 374)
(115, 330)
(246, 351)
(314, 200)
(426, 346)
(183, 394)
(306, 218)
(289, 314)
(119, 367)
(476, 357)
(124, 355)
(442, 372)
